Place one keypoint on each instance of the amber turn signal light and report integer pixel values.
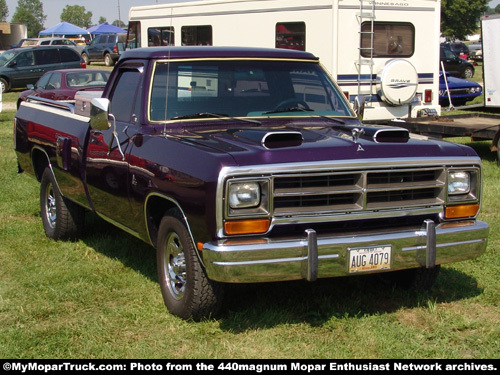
(461, 211)
(247, 226)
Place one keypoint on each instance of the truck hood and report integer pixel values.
(308, 140)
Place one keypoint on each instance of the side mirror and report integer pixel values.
(30, 86)
(99, 114)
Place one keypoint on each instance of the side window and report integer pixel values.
(47, 56)
(291, 35)
(25, 59)
(196, 35)
(134, 35)
(161, 36)
(96, 40)
(45, 42)
(42, 82)
(68, 55)
(124, 96)
(389, 39)
(54, 82)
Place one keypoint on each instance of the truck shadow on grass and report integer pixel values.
(266, 305)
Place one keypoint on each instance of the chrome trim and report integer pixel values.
(178, 206)
(430, 254)
(360, 166)
(264, 260)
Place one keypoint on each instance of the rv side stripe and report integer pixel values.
(352, 79)
(225, 13)
(382, 7)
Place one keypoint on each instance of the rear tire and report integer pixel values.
(186, 289)
(61, 218)
(108, 61)
(468, 72)
(86, 59)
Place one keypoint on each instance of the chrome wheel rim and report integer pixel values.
(50, 206)
(175, 266)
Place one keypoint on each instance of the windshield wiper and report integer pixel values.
(200, 115)
(214, 115)
(291, 109)
(298, 109)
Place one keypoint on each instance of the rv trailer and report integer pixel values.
(384, 55)
(490, 29)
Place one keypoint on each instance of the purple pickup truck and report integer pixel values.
(248, 165)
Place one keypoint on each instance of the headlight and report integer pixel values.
(244, 195)
(458, 183)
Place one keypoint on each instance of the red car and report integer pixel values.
(63, 84)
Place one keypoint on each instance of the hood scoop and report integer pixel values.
(272, 139)
(379, 134)
(391, 135)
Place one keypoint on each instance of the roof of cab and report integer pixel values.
(189, 52)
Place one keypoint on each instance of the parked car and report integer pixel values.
(60, 42)
(459, 48)
(63, 84)
(21, 66)
(455, 65)
(105, 48)
(476, 51)
(19, 44)
(461, 90)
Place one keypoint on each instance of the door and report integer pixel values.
(47, 59)
(94, 49)
(24, 70)
(108, 158)
(450, 61)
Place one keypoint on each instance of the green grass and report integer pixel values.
(99, 298)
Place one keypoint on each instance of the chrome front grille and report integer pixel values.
(353, 191)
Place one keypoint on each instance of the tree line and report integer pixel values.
(30, 12)
(459, 18)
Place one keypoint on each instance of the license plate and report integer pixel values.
(374, 258)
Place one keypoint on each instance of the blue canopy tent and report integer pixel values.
(63, 29)
(105, 28)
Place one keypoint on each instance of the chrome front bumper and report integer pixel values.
(315, 256)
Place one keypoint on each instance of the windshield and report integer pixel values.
(6, 56)
(243, 88)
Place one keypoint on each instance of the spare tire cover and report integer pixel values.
(397, 82)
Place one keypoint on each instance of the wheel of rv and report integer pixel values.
(186, 289)
(62, 219)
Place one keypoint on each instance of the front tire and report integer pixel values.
(61, 218)
(186, 289)
(4, 85)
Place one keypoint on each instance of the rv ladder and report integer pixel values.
(364, 65)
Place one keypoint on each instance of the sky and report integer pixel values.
(106, 8)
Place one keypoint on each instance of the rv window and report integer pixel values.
(133, 35)
(161, 36)
(291, 35)
(196, 35)
(389, 39)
